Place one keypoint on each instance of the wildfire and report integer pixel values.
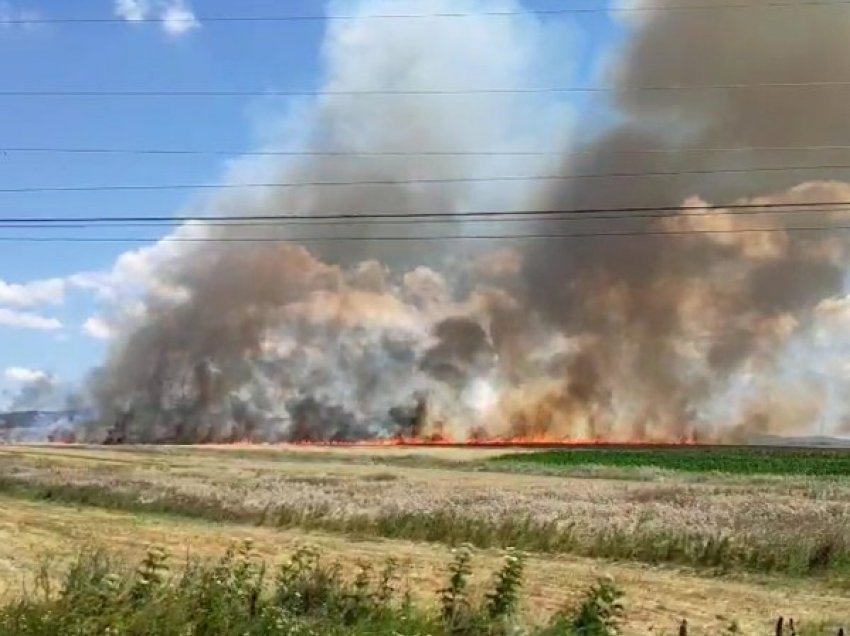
(481, 438)
(492, 442)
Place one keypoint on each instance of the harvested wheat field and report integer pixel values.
(722, 550)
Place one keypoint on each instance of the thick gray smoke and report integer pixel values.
(272, 341)
(670, 321)
(41, 392)
(647, 337)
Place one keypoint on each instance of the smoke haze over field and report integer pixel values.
(652, 337)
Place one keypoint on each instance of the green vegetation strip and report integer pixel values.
(815, 553)
(756, 461)
(240, 595)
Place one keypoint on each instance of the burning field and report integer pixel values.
(694, 306)
(481, 311)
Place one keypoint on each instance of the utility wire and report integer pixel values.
(421, 92)
(284, 222)
(452, 237)
(401, 153)
(284, 153)
(423, 181)
(775, 4)
(671, 211)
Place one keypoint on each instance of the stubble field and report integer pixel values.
(722, 548)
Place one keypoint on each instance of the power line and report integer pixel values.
(775, 4)
(422, 181)
(673, 211)
(404, 153)
(423, 92)
(284, 222)
(453, 237)
(283, 153)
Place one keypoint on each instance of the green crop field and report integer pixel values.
(753, 461)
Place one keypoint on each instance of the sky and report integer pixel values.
(53, 296)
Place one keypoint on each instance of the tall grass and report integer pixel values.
(825, 552)
(240, 595)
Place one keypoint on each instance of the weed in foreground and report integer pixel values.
(239, 595)
(307, 596)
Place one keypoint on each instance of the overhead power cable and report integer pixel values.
(281, 153)
(422, 181)
(771, 4)
(285, 222)
(402, 238)
(578, 214)
(403, 153)
(419, 91)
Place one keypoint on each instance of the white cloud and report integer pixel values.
(50, 291)
(97, 328)
(98, 283)
(178, 19)
(11, 16)
(23, 374)
(132, 10)
(176, 16)
(27, 320)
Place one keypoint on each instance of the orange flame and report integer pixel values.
(542, 442)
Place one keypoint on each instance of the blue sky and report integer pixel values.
(42, 313)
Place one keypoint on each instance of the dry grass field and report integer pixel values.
(718, 550)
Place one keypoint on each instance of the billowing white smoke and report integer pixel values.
(271, 341)
(651, 338)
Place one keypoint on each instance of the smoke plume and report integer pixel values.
(671, 322)
(621, 338)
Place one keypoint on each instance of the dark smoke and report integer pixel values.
(411, 420)
(636, 338)
(314, 421)
(462, 352)
(670, 319)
